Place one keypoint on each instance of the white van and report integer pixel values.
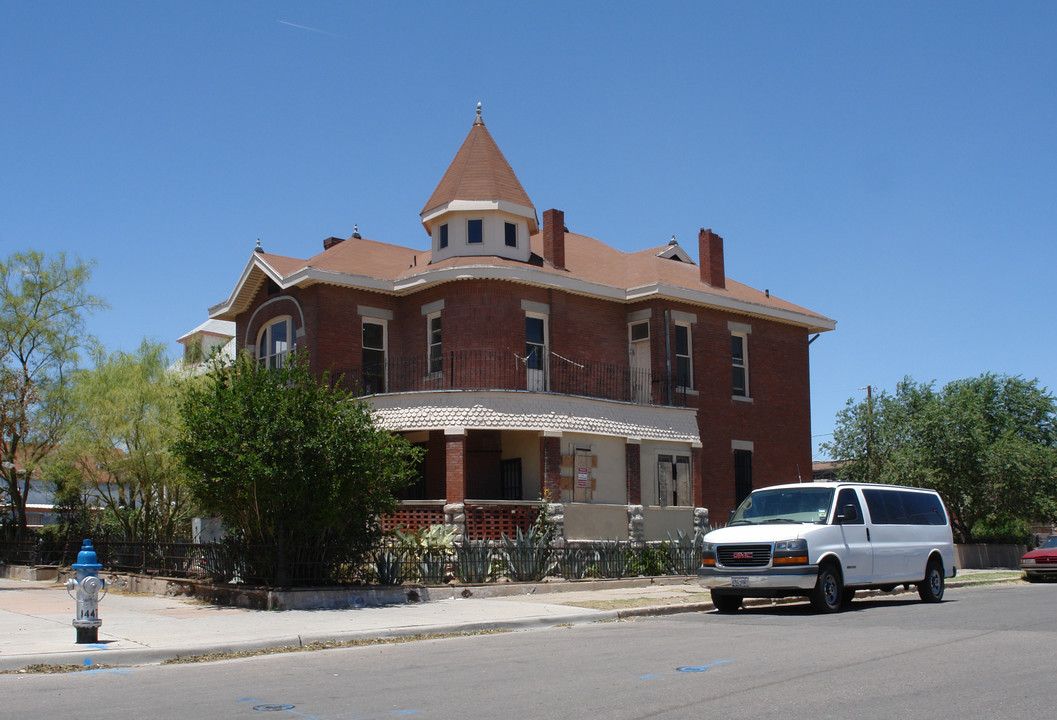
(825, 540)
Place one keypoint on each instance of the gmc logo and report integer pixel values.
(743, 556)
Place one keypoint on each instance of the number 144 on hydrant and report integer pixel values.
(85, 589)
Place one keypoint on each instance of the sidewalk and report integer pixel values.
(36, 617)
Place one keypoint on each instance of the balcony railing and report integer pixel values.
(506, 370)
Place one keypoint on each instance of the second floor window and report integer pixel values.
(474, 231)
(510, 233)
(433, 336)
(740, 362)
(683, 364)
(373, 358)
(275, 342)
(442, 242)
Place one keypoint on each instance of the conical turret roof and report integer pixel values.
(479, 172)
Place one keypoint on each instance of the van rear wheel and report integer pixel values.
(726, 603)
(931, 588)
(828, 591)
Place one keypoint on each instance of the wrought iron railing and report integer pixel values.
(507, 370)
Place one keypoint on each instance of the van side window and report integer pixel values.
(904, 507)
(924, 509)
(847, 496)
(886, 507)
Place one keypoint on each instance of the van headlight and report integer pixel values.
(708, 554)
(790, 552)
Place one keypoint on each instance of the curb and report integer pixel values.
(126, 657)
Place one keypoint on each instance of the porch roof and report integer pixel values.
(543, 412)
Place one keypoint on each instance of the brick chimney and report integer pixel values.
(554, 238)
(331, 242)
(711, 251)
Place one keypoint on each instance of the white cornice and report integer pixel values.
(506, 206)
(529, 276)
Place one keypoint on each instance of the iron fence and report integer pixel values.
(474, 562)
(506, 370)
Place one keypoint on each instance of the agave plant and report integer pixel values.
(390, 565)
(574, 562)
(684, 553)
(527, 556)
(473, 562)
(610, 559)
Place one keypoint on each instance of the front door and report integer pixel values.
(858, 551)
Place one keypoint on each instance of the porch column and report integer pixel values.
(697, 469)
(455, 464)
(551, 464)
(633, 469)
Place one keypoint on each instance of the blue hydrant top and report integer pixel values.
(86, 559)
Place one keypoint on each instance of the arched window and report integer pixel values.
(275, 342)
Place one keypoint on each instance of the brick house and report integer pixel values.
(638, 390)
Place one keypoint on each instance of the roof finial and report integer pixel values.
(478, 120)
(258, 249)
(356, 230)
(672, 241)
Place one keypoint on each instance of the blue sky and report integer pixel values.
(891, 165)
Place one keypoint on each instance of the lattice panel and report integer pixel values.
(413, 517)
(490, 522)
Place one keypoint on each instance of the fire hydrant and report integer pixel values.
(85, 591)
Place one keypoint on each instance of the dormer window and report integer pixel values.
(510, 230)
(443, 241)
(474, 232)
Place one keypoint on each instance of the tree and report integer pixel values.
(987, 444)
(124, 412)
(42, 307)
(294, 466)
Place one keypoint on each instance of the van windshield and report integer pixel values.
(788, 505)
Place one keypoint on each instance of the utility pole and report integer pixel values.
(869, 434)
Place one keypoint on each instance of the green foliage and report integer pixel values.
(1002, 530)
(987, 444)
(650, 560)
(119, 443)
(293, 465)
(42, 307)
(428, 550)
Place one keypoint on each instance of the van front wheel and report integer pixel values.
(828, 591)
(931, 588)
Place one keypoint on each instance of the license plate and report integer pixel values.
(740, 581)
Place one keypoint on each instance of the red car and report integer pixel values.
(1042, 561)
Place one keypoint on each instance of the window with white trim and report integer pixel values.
(374, 347)
(684, 367)
(275, 342)
(739, 354)
(433, 345)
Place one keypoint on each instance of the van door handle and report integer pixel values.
(867, 534)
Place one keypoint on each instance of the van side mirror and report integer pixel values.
(848, 514)
(730, 515)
